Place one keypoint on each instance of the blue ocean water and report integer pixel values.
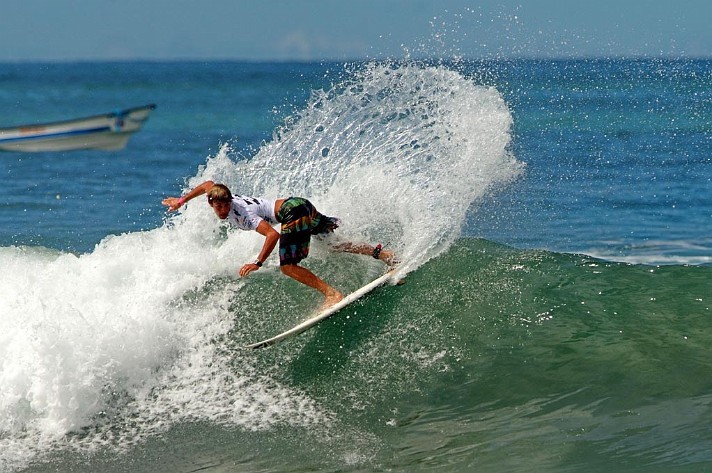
(554, 219)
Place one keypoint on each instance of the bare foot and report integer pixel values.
(388, 257)
(330, 300)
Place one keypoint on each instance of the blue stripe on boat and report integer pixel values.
(56, 135)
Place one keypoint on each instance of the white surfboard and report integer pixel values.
(326, 312)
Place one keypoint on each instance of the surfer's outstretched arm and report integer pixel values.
(174, 203)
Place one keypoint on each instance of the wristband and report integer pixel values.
(258, 263)
(181, 201)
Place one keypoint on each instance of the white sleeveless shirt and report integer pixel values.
(246, 213)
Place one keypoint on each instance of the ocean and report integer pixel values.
(553, 219)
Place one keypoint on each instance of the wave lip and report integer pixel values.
(656, 252)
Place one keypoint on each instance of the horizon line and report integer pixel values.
(351, 60)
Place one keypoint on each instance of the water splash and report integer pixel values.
(400, 152)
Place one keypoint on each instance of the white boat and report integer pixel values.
(106, 132)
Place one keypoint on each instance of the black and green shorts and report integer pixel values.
(300, 220)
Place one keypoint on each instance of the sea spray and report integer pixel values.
(399, 151)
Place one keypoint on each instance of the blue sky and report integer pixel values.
(68, 30)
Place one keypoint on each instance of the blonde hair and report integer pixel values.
(220, 193)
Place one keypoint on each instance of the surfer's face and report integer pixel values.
(221, 208)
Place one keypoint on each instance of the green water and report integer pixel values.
(487, 359)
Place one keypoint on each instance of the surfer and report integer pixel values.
(299, 220)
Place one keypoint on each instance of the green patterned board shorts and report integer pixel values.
(300, 220)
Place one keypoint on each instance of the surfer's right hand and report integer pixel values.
(173, 203)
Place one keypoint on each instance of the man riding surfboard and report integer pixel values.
(298, 219)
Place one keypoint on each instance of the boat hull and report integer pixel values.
(103, 132)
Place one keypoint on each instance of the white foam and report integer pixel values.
(105, 341)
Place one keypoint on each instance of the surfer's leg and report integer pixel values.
(362, 249)
(299, 218)
(304, 276)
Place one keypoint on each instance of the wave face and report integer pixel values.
(104, 350)
(486, 354)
